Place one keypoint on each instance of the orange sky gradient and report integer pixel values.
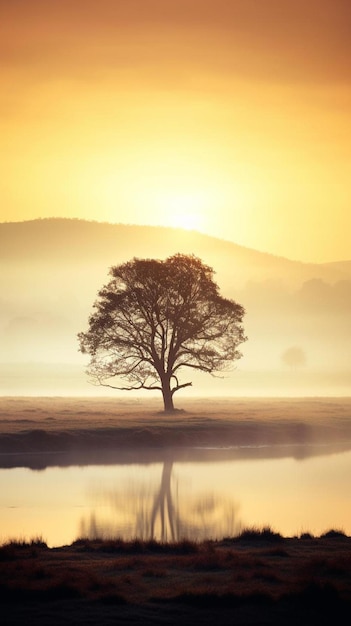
(231, 117)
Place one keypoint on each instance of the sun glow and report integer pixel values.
(185, 210)
(187, 221)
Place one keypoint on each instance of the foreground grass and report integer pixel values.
(258, 577)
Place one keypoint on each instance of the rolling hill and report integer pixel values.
(62, 241)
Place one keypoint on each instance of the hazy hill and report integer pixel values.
(64, 241)
(51, 270)
(341, 266)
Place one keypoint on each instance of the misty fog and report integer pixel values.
(51, 271)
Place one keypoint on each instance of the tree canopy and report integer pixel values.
(156, 318)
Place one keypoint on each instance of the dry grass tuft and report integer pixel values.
(333, 534)
(255, 534)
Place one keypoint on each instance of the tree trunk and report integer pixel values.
(167, 395)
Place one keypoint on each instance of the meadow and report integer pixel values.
(83, 426)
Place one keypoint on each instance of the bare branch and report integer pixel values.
(132, 388)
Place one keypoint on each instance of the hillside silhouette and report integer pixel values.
(60, 240)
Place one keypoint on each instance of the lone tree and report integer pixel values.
(155, 318)
(294, 357)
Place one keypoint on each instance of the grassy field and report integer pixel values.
(59, 424)
(257, 578)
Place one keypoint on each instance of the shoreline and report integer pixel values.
(44, 432)
(40, 460)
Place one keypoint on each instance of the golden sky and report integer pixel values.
(229, 116)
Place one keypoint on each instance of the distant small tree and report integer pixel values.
(155, 318)
(294, 357)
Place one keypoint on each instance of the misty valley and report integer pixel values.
(51, 270)
(297, 323)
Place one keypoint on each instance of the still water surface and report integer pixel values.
(171, 500)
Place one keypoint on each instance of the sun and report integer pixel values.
(185, 210)
(187, 221)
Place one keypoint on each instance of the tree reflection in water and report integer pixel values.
(162, 514)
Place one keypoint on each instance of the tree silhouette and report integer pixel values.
(294, 357)
(155, 318)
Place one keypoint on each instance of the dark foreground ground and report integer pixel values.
(258, 578)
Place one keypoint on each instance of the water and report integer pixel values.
(173, 499)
